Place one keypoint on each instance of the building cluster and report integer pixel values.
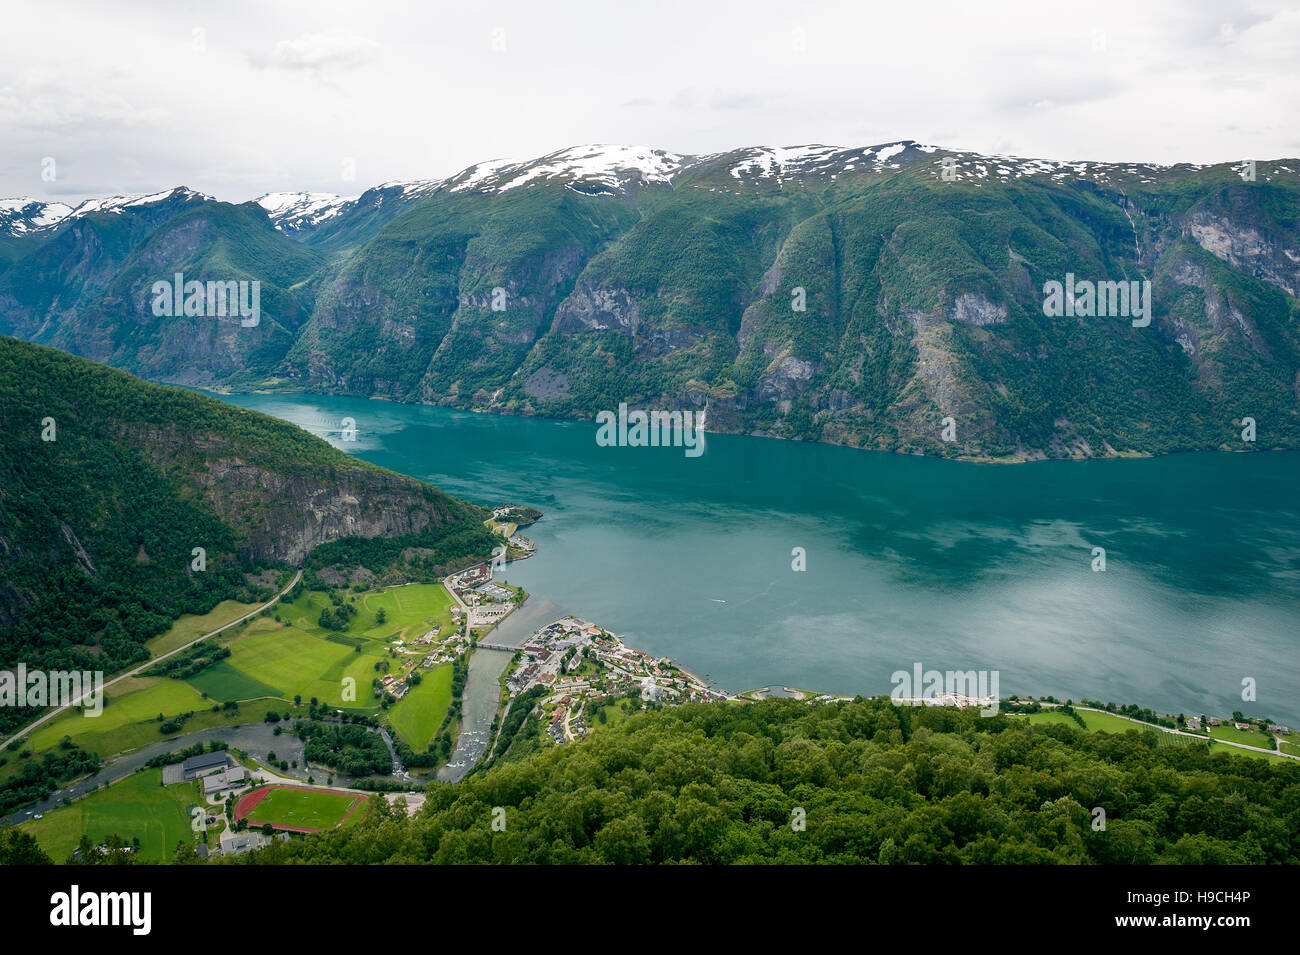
(583, 664)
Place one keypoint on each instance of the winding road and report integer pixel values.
(155, 660)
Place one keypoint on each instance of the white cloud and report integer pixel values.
(279, 96)
(320, 53)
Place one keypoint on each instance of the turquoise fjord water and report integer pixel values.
(909, 560)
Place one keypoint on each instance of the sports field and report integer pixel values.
(137, 807)
(300, 809)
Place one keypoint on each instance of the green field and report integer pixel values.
(1220, 748)
(131, 701)
(1047, 716)
(1109, 723)
(409, 611)
(288, 662)
(297, 657)
(222, 682)
(1105, 723)
(190, 627)
(614, 714)
(1234, 735)
(311, 809)
(281, 659)
(134, 721)
(417, 716)
(137, 807)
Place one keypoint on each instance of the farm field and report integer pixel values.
(1109, 722)
(137, 807)
(298, 808)
(409, 611)
(417, 716)
(131, 701)
(298, 657)
(294, 656)
(1220, 748)
(287, 661)
(99, 737)
(192, 626)
(1047, 716)
(1234, 735)
(223, 681)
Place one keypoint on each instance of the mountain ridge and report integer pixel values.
(860, 296)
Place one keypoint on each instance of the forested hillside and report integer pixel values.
(858, 296)
(876, 783)
(108, 485)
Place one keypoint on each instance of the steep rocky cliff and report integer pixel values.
(861, 296)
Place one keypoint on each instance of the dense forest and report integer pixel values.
(853, 782)
(351, 749)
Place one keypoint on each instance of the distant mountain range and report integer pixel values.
(859, 296)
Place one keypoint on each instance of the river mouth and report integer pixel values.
(764, 562)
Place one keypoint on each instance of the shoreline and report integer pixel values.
(962, 459)
(803, 694)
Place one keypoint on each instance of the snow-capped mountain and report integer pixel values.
(295, 211)
(675, 275)
(608, 170)
(20, 216)
(23, 216)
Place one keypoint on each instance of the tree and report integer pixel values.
(185, 854)
(20, 848)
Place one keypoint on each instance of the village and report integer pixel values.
(587, 669)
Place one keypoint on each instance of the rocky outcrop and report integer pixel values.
(284, 513)
(1273, 258)
(597, 309)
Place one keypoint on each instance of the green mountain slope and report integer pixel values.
(856, 296)
(98, 526)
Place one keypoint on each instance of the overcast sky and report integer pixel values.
(239, 98)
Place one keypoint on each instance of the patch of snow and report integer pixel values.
(888, 151)
(610, 166)
(19, 216)
(295, 210)
(782, 162)
(116, 204)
